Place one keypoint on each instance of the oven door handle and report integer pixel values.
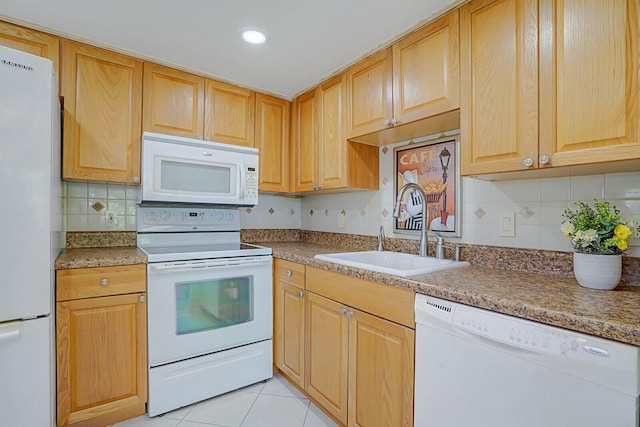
(166, 268)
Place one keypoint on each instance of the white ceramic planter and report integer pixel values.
(597, 271)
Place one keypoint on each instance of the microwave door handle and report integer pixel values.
(242, 178)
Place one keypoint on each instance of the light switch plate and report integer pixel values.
(506, 224)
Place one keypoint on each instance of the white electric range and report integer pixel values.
(210, 304)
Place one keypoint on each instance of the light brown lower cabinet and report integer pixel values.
(101, 338)
(356, 365)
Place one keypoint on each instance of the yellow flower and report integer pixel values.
(623, 232)
(622, 244)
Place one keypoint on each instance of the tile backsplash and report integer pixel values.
(537, 205)
(88, 205)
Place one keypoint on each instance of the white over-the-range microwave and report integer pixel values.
(183, 170)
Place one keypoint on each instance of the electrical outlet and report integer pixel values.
(341, 216)
(110, 218)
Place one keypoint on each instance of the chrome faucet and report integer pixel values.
(440, 248)
(424, 239)
(380, 238)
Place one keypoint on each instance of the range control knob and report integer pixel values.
(229, 216)
(165, 215)
(152, 216)
(219, 216)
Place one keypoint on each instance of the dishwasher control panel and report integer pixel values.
(527, 335)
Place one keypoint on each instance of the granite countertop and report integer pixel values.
(99, 257)
(553, 300)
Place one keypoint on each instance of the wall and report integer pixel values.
(537, 203)
(85, 205)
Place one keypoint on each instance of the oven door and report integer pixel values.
(200, 307)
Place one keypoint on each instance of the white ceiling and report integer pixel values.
(306, 40)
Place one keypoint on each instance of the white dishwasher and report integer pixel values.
(476, 368)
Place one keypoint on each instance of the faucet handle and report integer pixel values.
(380, 239)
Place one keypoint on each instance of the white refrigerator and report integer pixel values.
(30, 237)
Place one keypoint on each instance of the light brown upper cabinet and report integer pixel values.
(588, 82)
(102, 114)
(323, 158)
(183, 104)
(304, 134)
(418, 77)
(272, 141)
(31, 41)
(581, 107)
(228, 114)
(173, 102)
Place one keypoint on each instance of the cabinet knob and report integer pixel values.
(343, 311)
(289, 273)
(387, 123)
(141, 298)
(349, 314)
(300, 294)
(528, 162)
(104, 282)
(394, 121)
(544, 160)
(136, 179)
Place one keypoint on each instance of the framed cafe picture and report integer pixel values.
(434, 165)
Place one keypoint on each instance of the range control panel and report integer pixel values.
(207, 219)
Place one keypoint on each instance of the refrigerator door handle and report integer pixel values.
(10, 331)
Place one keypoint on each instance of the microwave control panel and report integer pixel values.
(251, 182)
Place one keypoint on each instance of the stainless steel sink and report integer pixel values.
(396, 263)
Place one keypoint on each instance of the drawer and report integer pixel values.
(386, 301)
(79, 283)
(289, 272)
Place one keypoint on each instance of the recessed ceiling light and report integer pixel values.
(254, 37)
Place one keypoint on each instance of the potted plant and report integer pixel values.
(599, 237)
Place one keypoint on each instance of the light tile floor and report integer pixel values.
(275, 403)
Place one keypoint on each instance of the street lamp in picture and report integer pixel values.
(445, 156)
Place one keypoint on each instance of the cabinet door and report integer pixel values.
(102, 115)
(272, 141)
(229, 114)
(31, 41)
(101, 358)
(426, 71)
(499, 85)
(333, 142)
(290, 310)
(327, 355)
(173, 102)
(589, 81)
(369, 95)
(381, 366)
(305, 142)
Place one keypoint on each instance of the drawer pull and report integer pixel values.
(104, 282)
(289, 273)
(141, 298)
